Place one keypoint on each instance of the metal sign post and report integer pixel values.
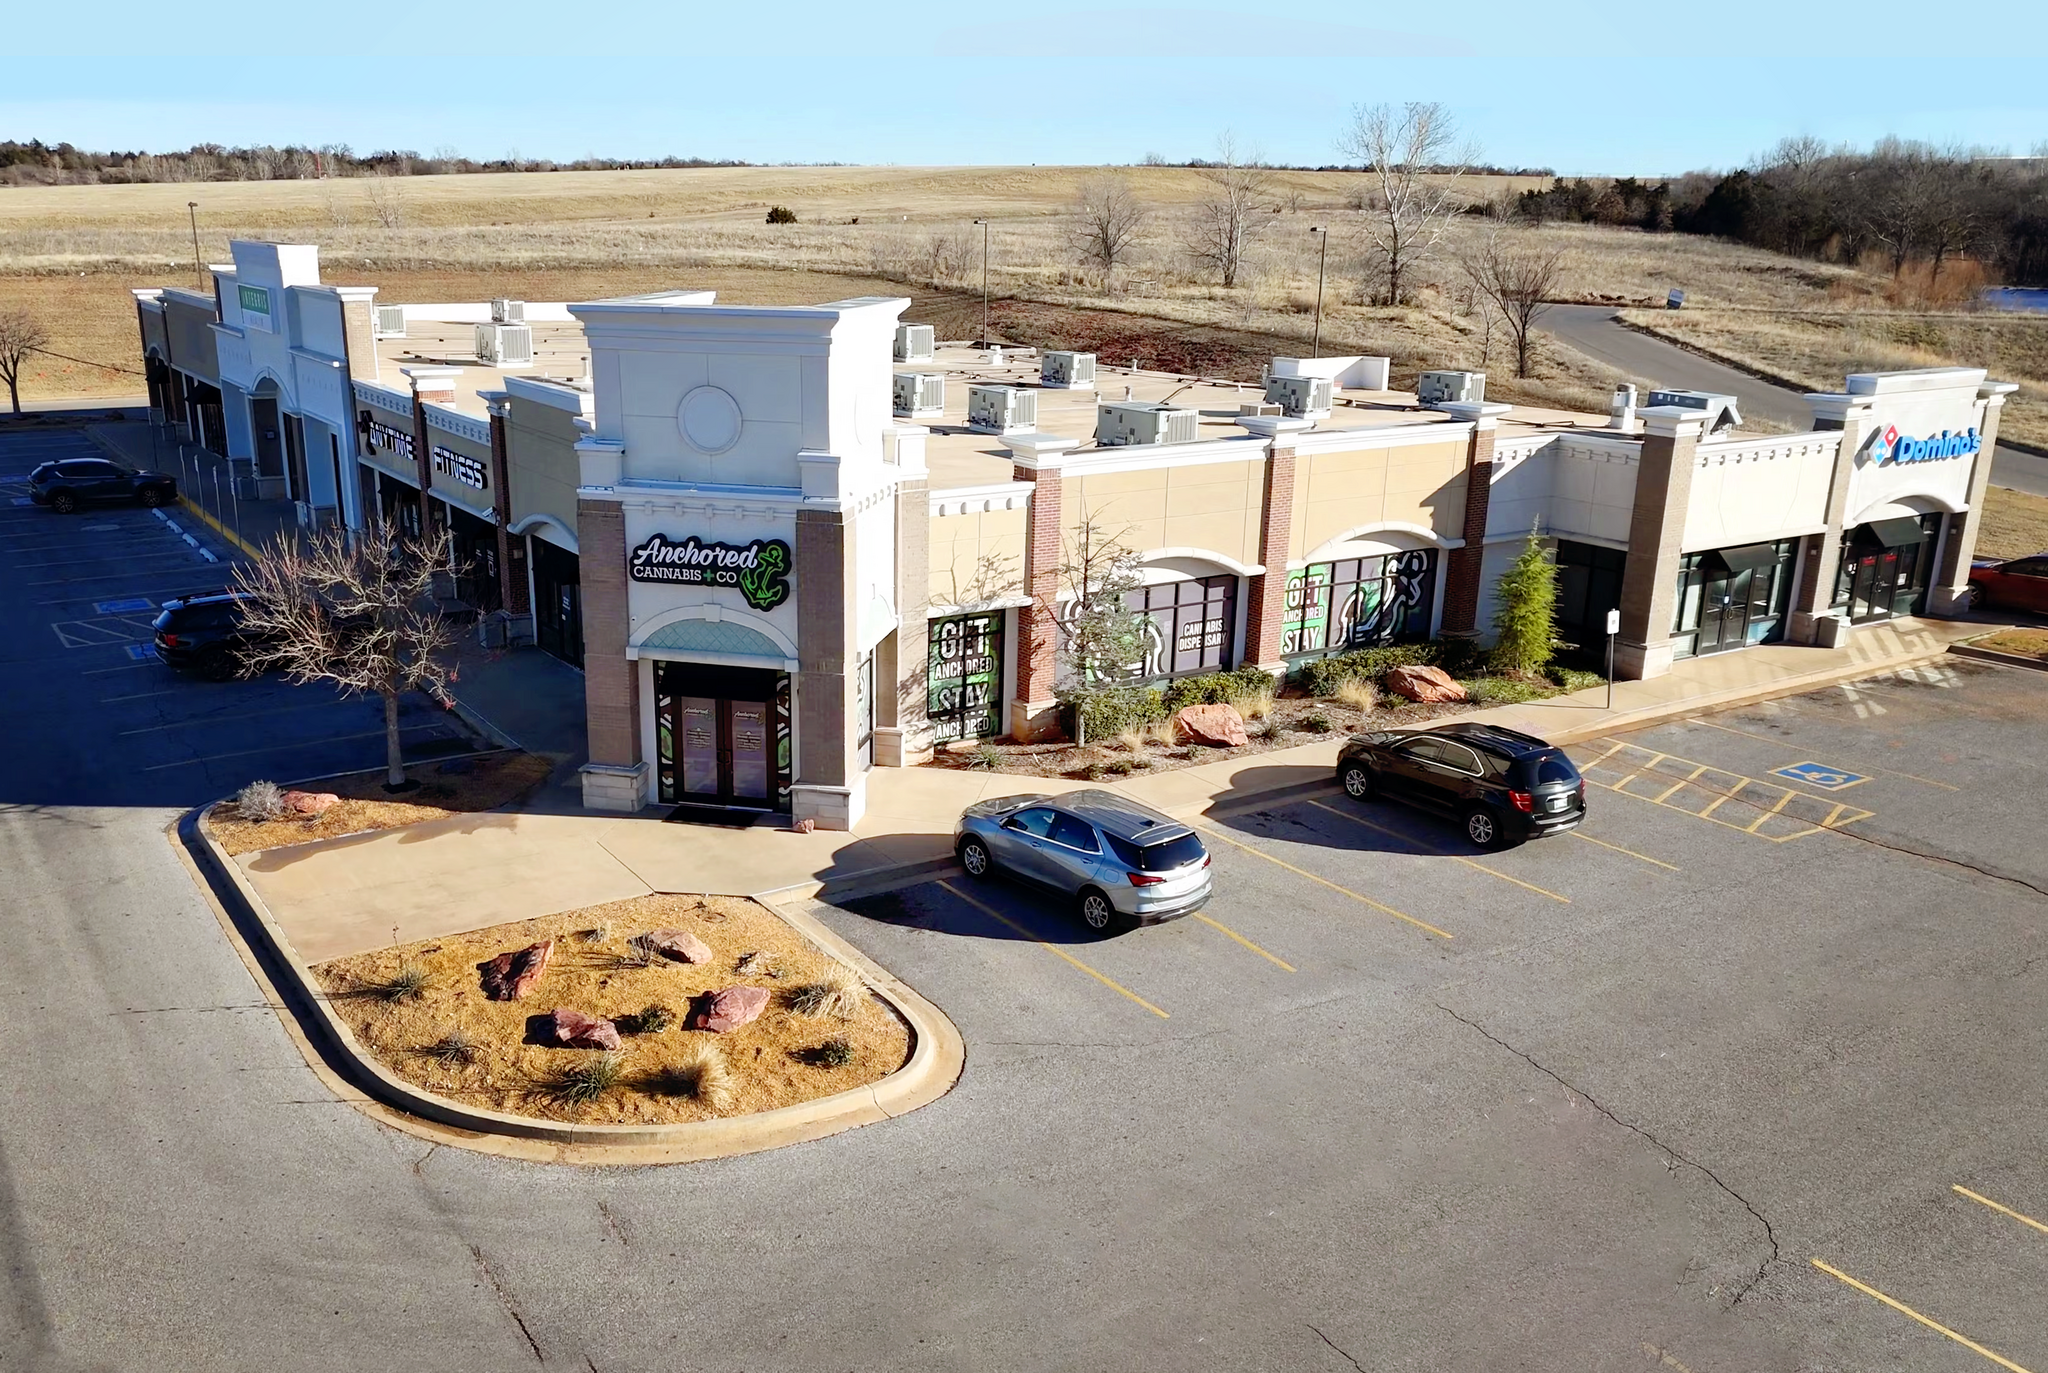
(1613, 628)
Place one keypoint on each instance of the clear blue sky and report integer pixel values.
(1586, 86)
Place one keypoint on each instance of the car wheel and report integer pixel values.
(1099, 913)
(1483, 828)
(975, 857)
(154, 496)
(63, 502)
(217, 665)
(1356, 779)
(1980, 597)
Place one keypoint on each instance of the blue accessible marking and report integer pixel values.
(123, 606)
(1820, 775)
(140, 651)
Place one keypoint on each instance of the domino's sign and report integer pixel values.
(1893, 447)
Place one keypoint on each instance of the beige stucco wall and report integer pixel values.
(540, 454)
(1418, 484)
(1210, 506)
(960, 543)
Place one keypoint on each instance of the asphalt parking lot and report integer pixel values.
(95, 718)
(1742, 1074)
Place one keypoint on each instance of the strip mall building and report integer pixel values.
(788, 545)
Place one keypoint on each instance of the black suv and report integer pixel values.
(1505, 786)
(65, 486)
(204, 634)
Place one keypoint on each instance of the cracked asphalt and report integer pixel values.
(1607, 1124)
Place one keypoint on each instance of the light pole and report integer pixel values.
(192, 208)
(984, 278)
(1322, 261)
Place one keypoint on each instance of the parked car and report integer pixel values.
(2015, 584)
(66, 486)
(1121, 863)
(1504, 786)
(206, 634)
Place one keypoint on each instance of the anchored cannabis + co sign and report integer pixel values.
(759, 570)
(1893, 447)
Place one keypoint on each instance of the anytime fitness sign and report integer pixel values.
(759, 570)
(1893, 447)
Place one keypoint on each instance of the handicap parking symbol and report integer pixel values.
(1820, 775)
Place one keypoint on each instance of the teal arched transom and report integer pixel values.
(713, 636)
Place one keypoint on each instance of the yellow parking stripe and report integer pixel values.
(1783, 801)
(1963, 1340)
(1110, 983)
(2007, 1210)
(1442, 853)
(1581, 834)
(1780, 743)
(1219, 925)
(1324, 881)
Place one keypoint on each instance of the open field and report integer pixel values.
(2015, 524)
(70, 252)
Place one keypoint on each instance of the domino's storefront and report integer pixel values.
(1887, 558)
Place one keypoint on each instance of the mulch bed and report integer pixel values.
(458, 786)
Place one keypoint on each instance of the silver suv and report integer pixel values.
(1122, 863)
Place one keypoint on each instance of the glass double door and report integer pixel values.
(718, 738)
(1729, 604)
(1884, 582)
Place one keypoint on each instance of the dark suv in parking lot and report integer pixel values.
(66, 486)
(1503, 786)
(205, 634)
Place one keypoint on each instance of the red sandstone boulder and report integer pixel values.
(1218, 726)
(575, 1030)
(1429, 685)
(729, 1009)
(309, 803)
(680, 945)
(510, 976)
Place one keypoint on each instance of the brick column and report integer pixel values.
(615, 777)
(1465, 571)
(1952, 578)
(1656, 533)
(827, 787)
(1034, 714)
(1268, 590)
(436, 385)
(501, 504)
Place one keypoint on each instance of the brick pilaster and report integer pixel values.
(1034, 714)
(1267, 609)
(611, 684)
(1464, 575)
(501, 508)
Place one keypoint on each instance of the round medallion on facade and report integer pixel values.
(709, 419)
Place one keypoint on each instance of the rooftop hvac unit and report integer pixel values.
(920, 395)
(504, 345)
(1116, 425)
(1438, 388)
(1001, 409)
(1301, 398)
(508, 311)
(1720, 408)
(1072, 371)
(387, 321)
(914, 343)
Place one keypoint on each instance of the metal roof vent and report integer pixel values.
(1068, 371)
(1301, 398)
(387, 321)
(508, 311)
(1119, 425)
(504, 345)
(920, 395)
(1436, 388)
(1001, 409)
(914, 343)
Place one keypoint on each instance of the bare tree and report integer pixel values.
(1517, 276)
(1415, 161)
(355, 608)
(1108, 217)
(21, 334)
(1103, 640)
(384, 200)
(1230, 213)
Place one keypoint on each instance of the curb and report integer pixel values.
(937, 1056)
(1992, 655)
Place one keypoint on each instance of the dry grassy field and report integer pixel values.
(70, 253)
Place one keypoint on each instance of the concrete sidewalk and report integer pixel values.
(343, 896)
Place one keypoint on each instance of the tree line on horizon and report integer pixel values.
(36, 163)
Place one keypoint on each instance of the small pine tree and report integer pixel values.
(1525, 626)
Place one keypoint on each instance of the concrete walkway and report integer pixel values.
(344, 896)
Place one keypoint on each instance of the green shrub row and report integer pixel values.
(1323, 676)
(1216, 688)
(1107, 711)
(1571, 678)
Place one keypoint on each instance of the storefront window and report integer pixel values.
(964, 677)
(1732, 597)
(1588, 586)
(1191, 624)
(1358, 602)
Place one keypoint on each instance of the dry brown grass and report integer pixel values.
(2013, 524)
(1359, 694)
(767, 1061)
(489, 781)
(2027, 643)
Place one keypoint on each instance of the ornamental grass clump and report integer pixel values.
(260, 801)
(699, 1072)
(581, 1083)
(838, 994)
(649, 1020)
(452, 1050)
(409, 982)
(1359, 694)
(833, 1053)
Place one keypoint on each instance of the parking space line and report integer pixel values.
(1751, 827)
(1442, 853)
(1219, 925)
(1326, 882)
(1780, 743)
(2007, 1210)
(226, 716)
(1618, 747)
(1964, 1340)
(1722, 799)
(1581, 834)
(276, 748)
(1110, 983)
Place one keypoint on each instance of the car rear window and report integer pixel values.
(1545, 769)
(1164, 856)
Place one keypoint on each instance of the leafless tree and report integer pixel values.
(384, 200)
(1415, 161)
(1109, 217)
(355, 608)
(1517, 276)
(21, 334)
(1231, 211)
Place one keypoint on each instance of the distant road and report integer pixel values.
(1593, 330)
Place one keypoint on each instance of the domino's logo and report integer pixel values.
(1887, 440)
(1893, 447)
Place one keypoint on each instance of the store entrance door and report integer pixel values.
(719, 736)
(1724, 612)
(1887, 563)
